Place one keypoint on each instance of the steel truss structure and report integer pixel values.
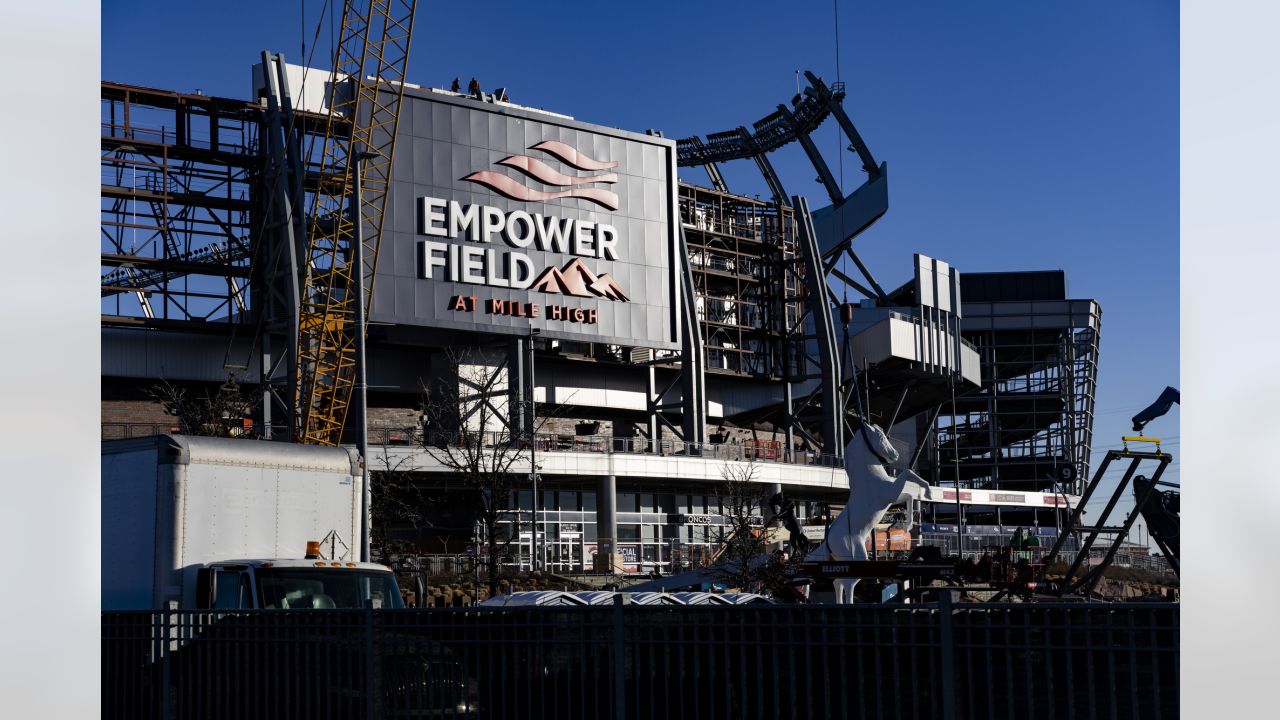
(797, 256)
(245, 212)
(1145, 489)
(178, 173)
(745, 299)
(1032, 419)
(204, 197)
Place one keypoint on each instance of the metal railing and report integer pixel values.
(455, 565)
(549, 442)
(862, 661)
(546, 442)
(976, 545)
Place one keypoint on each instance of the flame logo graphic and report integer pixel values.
(538, 170)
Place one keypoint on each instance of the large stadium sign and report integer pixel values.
(503, 219)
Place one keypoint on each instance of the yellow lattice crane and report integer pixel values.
(360, 134)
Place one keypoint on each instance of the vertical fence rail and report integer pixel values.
(929, 661)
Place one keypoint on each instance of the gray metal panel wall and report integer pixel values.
(448, 139)
(175, 355)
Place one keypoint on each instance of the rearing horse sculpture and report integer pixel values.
(872, 490)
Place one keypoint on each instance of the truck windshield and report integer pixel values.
(325, 589)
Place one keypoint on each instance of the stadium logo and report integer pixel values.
(577, 280)
(538, 170)
(481, 258)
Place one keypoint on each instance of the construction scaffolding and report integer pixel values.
(177, 177)
(1030, 425)
(740, 250)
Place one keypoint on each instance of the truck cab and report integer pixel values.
(291, 584)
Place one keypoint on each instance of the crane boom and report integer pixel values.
(364, 98)
(1158, 408)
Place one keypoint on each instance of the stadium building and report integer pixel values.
(644, 333)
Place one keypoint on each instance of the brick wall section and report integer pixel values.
(135, 411)
(134, 418)
(568, 426)
(393, 417)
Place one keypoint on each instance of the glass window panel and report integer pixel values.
(589, 500)
(227, 589)
(628, 502)
(569, 500)
(628, 532)
(666, 503)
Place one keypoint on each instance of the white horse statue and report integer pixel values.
(872, 490)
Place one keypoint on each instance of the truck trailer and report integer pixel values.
(198, 522)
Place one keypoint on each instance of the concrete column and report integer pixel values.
(768, 490)
(607, 525)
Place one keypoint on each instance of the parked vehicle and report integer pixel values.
(197, 522)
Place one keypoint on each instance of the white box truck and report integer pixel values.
(198, 522)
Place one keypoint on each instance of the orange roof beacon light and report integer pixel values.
(313, 550)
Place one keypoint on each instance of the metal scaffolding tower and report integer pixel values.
(177, 177)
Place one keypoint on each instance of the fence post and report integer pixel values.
(370, 689)
(162, 648)
(947, 640)
(619, 661)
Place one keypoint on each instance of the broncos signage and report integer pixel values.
(523, 219)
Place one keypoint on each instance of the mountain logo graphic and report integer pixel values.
(577, 280)
(538, 170)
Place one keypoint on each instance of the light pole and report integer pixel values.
(362, 400)
(539, 542)
(955, 437)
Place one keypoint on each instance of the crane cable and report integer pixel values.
(857, 397)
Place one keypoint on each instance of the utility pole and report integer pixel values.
(539, 541)
(362, 399)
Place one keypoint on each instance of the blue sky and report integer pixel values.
(1019, 135)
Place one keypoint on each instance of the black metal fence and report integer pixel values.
(913, 661)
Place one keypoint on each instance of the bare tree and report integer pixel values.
(220, 414)
(399, 502)
(472, 430)
(743, 541)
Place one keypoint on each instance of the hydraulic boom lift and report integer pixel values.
(1150, 503)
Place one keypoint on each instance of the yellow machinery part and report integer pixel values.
(374, 42)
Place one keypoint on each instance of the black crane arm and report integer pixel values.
(1157, 408)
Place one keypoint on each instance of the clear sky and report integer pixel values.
(1019, 135)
